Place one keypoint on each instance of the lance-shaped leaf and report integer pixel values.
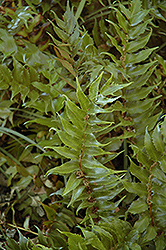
(122, 21)
(136, 188)
(137, 30)
(138, 44)
(69, 140)
(83, 100)
(79, 113)
(71, 129)
(158, 140)
(66, 152)
(125, 10)
(142, 224)
(140, 56)
(138, 206)
(141, 106)
(158, 173)
(140, 69)
(114, 42)
(150, 234)
(76, 193)
(138, 94)
(135, 7)
(94, 88)
(150, 149)
(162, 163)
(141, 173)
(7, 43)
(90, 140)
(94, 151)
(163, 129)
(139, 17)
(72, 183)
(108, 89)
(66, 168)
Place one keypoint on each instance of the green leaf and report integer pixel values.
(59, 22)
(141, 106)
(76, 193)
(142, 224)
(96, 33)
(162, 62)
(13, 244)
(138, 17)
(163, 129)
(22, 241)
(135, 7)
(90, 141)
(114, 42)
(17, 71)
(70, 129)
(84, 204)
(124, 10)
(92, 239)
(122, 21)
(141, 173)
(75, 114)
(138, 94)
(162, 163)
(160, 242)
(136, 188)
(110, 89)
(80, 9)
(67, 66)
(94, 151)
(7, 43)
(83, 100)
(150, 149)
(66, 152)
(50, 212)
(105, 235)
(138, 206)
(138, 44)
(104, 100)
(66, 168)
(121, 34)
(94, 88)
(69, 140)
(61, 34)
(72, 183)
(136, 31)
(144, 159)
(140, 69)
(158, 140)
(158, 173)
(150, 234)
(42, 87)
(138, 57)
(42, 239)
(7, 130)
(91, 162)
(76, 242)
(135, 246)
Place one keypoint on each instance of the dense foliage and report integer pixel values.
(83, 128)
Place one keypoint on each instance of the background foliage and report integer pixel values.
(83, 128)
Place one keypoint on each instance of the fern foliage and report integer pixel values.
(82, 124)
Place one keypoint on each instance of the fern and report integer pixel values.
(134, 32)
(89, 96)
(150, 188)
(86, 174)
